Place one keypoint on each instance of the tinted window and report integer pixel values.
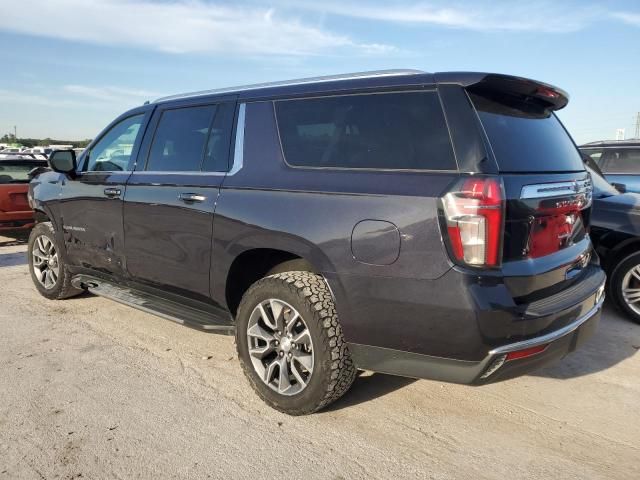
(390, 131)
(180, 139)
(216, 157)
(621, 160)
(113, 151)
(525, 137)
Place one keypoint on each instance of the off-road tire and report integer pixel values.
(62, 287)
(333, 372)
(615, 285)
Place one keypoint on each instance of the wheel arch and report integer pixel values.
(255, 263)
(620, 251)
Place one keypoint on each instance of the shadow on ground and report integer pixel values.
(13, 259)
(369, 386)
(616, 339)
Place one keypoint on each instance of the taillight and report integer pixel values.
(474, 215)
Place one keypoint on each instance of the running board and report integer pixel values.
(204, 320)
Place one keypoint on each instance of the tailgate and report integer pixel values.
(13, 198)
(546, 247)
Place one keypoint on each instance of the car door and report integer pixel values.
(171, 195)
(90, 205)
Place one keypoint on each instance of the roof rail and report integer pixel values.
(299, 81)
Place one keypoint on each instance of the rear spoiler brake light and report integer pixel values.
(552, 97)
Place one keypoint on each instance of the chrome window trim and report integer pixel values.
(101, 172)
(557, 189)
(636, 147)
(238, 150)
(178, 172)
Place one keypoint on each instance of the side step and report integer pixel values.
(209, 320)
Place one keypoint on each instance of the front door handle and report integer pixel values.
(112, 192)
(191, 197)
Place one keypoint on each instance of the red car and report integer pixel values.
(15, 213)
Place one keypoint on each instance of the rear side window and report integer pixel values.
(526, 137)
(620, 160)
(216, 157)
(180, 139)
(374, 131)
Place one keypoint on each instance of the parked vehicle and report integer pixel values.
(615, 232)
(15, 212)
(619, 160)
(44, 151)
(425, 225)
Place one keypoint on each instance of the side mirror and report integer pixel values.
(621, 187)
(63, 161)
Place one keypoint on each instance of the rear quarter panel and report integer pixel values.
(312, 213)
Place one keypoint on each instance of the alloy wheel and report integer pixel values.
(280, 346)
(45, 261)
(631, 288)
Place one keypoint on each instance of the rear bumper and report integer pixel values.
(496, 365)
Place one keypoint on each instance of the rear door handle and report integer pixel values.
(191, 197)
(112, 192)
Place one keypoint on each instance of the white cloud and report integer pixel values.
(534, 16)
(111, 94)
(13, 97)
(628, 17)
(177, 26)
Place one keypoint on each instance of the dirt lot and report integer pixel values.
(93, 389)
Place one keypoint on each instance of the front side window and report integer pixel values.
(180, 139)
(373, 131)
(112, 153)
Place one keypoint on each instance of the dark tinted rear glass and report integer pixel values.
(385, 131)
(526, 137)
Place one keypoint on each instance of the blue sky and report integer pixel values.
(70, 66)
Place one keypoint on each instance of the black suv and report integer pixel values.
(425, 225)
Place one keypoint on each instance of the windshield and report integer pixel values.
(525, 137)
(15, 172)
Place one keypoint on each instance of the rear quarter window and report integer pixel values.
(526, 137)
(403, 131)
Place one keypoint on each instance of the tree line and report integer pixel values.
(42, 142)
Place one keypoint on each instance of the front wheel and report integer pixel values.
(291, 345)
(624, 286)
(47, 265)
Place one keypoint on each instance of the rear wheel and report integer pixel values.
(291, 345)
(47, 265)
(624, 286)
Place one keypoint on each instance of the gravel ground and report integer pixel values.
(93, 389)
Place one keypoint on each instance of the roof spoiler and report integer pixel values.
(551, 97)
